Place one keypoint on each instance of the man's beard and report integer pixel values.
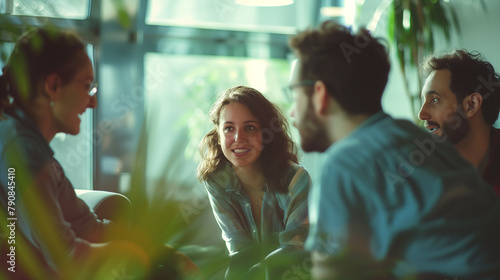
(313, 135)
(456, 128)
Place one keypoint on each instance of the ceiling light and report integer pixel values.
(332, 11)
(268, 3)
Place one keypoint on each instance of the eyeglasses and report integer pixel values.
(288, 90)
(92, 87)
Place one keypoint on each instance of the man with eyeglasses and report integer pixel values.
(391, 200)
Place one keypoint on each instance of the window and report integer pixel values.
(69, 9)
(223, 15)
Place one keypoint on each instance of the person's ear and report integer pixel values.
(51, 85)
(320, 98)
(472, 104)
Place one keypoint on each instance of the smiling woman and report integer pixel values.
(257, 190)
(241, 141)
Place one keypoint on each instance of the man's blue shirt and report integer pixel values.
(410, 197)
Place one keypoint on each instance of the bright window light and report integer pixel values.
(264, 2)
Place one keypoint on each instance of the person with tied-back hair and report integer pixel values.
(257, 190)
(45, 87)
(461, 100)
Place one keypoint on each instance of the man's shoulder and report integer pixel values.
(380, 136)
(389, 144)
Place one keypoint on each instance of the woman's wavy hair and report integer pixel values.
(279, 149)
(37, 54)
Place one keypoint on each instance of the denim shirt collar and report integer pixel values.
(231, 182)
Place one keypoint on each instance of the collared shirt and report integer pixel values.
(410, 197)
(284, 220)
(49, 215)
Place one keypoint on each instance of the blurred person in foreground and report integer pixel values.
(461, 100)
(45, 87)
(391, 201)
(257, 190)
